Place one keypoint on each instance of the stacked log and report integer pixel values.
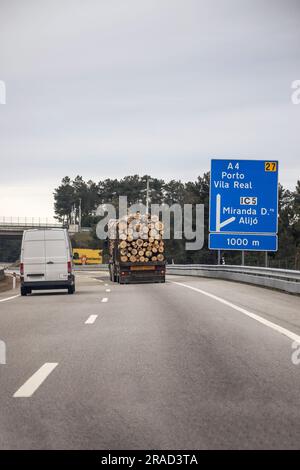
(139, 238)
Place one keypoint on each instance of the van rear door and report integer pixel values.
(33, 255)
(57, 255)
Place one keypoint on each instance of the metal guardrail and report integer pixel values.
(254, 270)
(6, 221)
(281, 279)
(10, 225)
(13, 228)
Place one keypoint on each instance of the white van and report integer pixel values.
(46, 261)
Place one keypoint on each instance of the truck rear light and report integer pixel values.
(69, 267)
(21, 269)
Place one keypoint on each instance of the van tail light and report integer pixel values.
(21, 269)
(69, 267)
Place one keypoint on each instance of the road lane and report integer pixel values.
(33, 328)
(164, 368)
(289, 334)
(273, 305)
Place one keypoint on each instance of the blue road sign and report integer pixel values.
(243, 200)
(242, 242)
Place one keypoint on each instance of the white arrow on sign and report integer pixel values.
(220, 224)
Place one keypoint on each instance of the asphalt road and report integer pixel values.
(156, 367)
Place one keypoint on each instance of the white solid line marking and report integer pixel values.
(9, 298)
(107, 290)
(274, 326)
(91, 319)
(33, 383)
(105, 299)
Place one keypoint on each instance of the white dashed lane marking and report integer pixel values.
(35, 381)
(91, 319)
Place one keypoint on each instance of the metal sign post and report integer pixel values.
(266, 259)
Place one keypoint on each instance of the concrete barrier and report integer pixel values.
(281, 279)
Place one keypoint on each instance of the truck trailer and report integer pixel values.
(136, 249)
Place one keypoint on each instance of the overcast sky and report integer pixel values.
(107, 88)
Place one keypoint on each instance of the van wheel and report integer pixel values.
(24, 291)
(71, 289)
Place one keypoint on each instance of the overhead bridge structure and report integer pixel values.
(13, 227)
